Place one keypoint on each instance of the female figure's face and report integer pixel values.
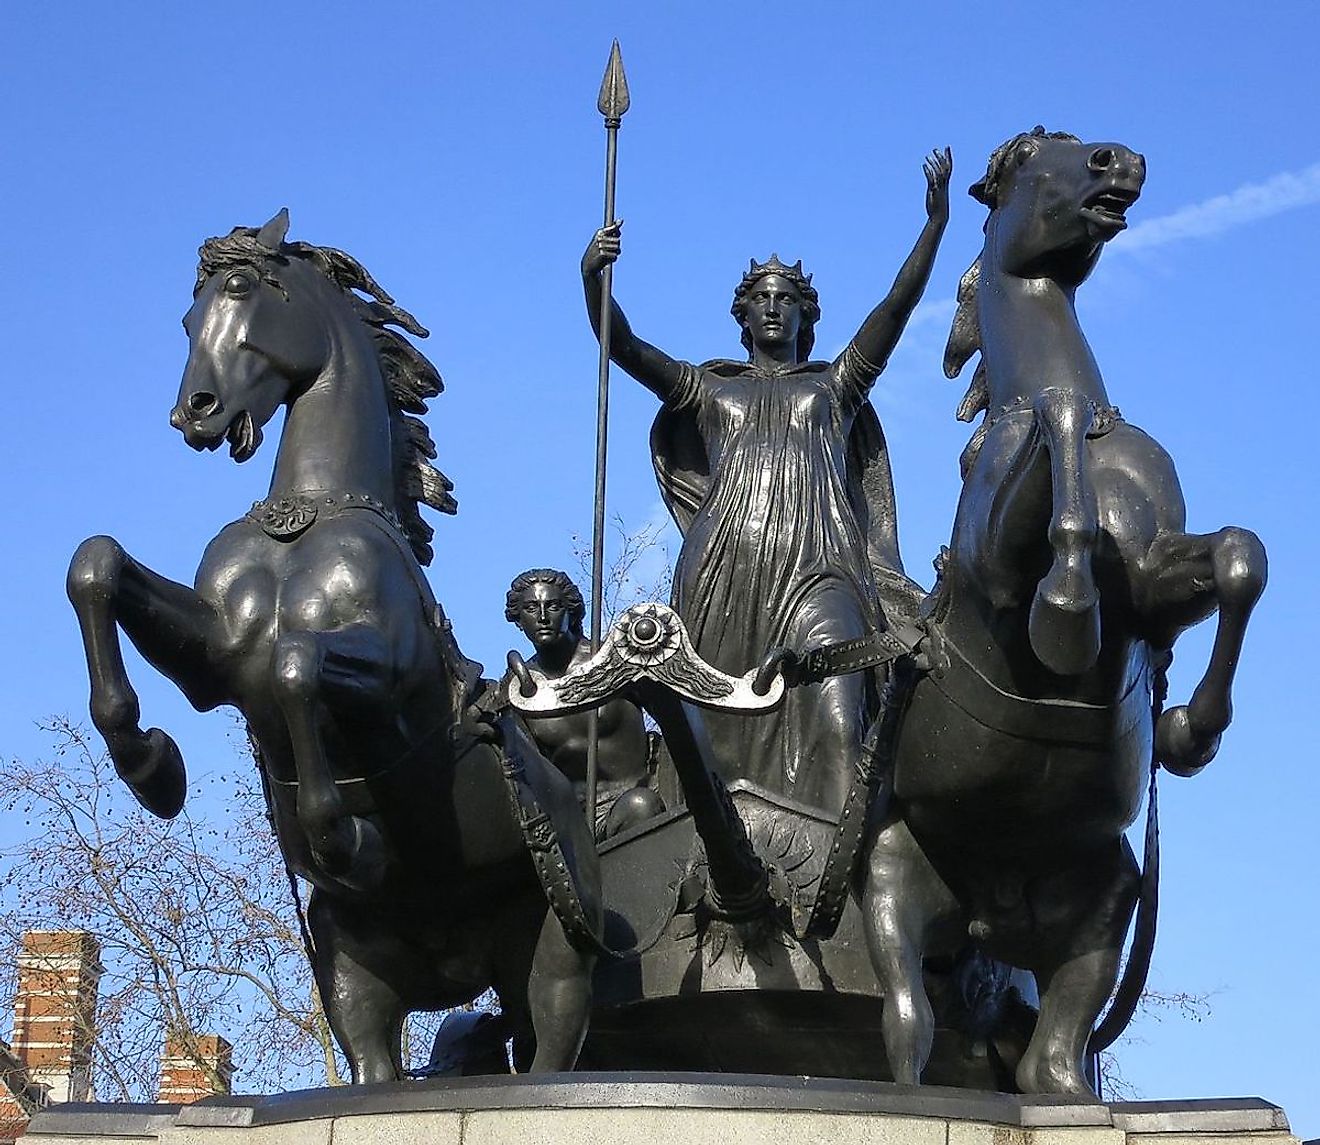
(774, 313)
(544, 617)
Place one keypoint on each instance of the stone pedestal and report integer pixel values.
(648, 1109)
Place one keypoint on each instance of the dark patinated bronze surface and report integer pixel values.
(879, 822)
(312, 616)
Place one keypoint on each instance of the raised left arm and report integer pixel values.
(879, 334)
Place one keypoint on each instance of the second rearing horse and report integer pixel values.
(312, 616)
(1023, 753)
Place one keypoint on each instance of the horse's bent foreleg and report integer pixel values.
(1187, 736)
(350, 665)
(559, 996)
(1076, 976)
(901, 899)
(1064, 624)
(174, 629)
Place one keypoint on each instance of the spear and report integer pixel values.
(611, 103)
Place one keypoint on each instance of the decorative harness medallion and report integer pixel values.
(287, 518)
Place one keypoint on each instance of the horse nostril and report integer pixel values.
(1102, 158)
(202, 404)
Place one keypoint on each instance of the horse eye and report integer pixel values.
(239, 284)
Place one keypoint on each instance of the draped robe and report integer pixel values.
(780, 484)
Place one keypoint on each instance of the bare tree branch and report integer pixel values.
(196, 919)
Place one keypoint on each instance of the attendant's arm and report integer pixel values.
(879, 334)
(655, 369)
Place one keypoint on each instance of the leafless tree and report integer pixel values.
(637, 567)
(1154, 1005)
(196, 918)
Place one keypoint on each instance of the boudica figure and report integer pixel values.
(548, 607)
(776, 470)
(312, 616)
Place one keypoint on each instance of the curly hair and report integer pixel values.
(577, 609)
(801, 281)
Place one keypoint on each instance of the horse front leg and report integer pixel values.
(174, 629)
(1064, 623)
(1233, 562)
(902, 898)
(349, 667)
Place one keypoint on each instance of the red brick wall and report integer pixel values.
(183, 1076)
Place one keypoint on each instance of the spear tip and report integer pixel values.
(613, 99)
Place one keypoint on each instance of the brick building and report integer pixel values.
(49, 1057)
(188, 1074)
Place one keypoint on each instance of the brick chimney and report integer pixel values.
(188, 1074)
(55, 1010)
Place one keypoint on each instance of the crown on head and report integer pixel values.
(774, 266)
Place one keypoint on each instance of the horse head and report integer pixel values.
(1055, 201)
(254, 336)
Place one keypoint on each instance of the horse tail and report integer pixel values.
(1133, 983)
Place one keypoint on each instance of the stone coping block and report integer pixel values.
(610, 1108)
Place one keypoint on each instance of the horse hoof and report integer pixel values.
(152, 767)
(1177, 746)
(1064, 637)
(1038, 1074)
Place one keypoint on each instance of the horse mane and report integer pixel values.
(965, 334)
(410, 378)
(964, 341)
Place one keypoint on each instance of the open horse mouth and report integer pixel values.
(243, 435)
(1109, 207)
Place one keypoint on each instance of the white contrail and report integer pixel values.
(1283, 192)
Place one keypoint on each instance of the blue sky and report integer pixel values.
(456, 150)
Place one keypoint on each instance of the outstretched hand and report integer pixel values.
(938, 167)
(603, 249)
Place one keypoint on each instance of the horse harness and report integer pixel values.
(569, 891)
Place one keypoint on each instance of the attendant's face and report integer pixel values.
(774, 312)
(544, 617)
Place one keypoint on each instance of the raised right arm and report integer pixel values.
(655, 369)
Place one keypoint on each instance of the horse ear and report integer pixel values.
(272, 234)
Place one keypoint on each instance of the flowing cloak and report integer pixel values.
(782, 548)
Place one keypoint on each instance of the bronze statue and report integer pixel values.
(777, 474)
(312, 616)
(1024, 750)
(548, 607)
(1021, 715)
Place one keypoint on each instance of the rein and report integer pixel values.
(1128, 993)
(968, 689)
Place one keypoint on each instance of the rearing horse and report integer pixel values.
(311, 615)
(1023, 752)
